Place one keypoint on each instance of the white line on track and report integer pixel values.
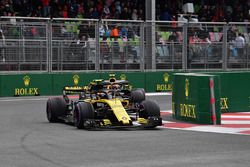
(22, 99)
(235, 122)
(235, 116)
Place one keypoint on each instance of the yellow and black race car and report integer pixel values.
(105, 103)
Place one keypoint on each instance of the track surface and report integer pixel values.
(28, 140)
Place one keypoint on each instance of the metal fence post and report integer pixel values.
(185, 47)
(97, 56)
(224, 47)
(49, 45)
(142, 45)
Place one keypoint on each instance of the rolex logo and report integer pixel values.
(186, 88)
(26, 80)
(166, 77)
(123, 77)
(76, 79)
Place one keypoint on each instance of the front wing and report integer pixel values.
(151, 122)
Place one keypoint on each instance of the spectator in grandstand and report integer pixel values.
(240, 45)
(123, 41)
(73, 9)
(64, 12)
(34, 32)
(173, 37)
(7, 9)
(80, 10)
(134, 15)
(93, 13)
(105, 50)
(115, 32)
(38, 12)
(101, 30)
(87, 30)
(141, 14)
(46, 8)
(104, 30)
(124, 14)
(118, 7)
(162, 48)
(166, 15)
(123, 32)
(64, 31)
(106, 12)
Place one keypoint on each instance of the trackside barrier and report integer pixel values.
(191, 98)
(26, 85)
(235, 91)
(1, 86)
(52, 84)
(159, 81)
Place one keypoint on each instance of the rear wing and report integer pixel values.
(67, 90)
(71, 90)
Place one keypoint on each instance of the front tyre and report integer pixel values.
(83, 112)
(56, 107)
(150, 110)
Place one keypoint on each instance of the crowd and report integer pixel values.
(89, 9)
(206, 10)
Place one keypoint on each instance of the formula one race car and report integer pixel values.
(104, 103)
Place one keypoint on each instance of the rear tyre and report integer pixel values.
(56, 107)
(83, 112)
(138, 95)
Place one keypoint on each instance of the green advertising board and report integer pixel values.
(191, 98)
(159, 81)
(1, 95)
(26, 85)
(235, 92)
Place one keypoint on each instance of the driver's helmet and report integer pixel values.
(108, 86)
(116, 86)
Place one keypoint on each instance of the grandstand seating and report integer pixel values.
(216, 11)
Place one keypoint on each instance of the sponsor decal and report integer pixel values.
(166, 77)
(166, 86)
(224, 103)
(123, 77)
(26, 90)
(187, 110)
(186, 88)
(76, 79)
(72, 89)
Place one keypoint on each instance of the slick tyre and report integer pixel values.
(138, 95)
(56, 107)
(149, 109)
(83, 111)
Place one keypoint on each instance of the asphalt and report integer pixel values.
(28, 140)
